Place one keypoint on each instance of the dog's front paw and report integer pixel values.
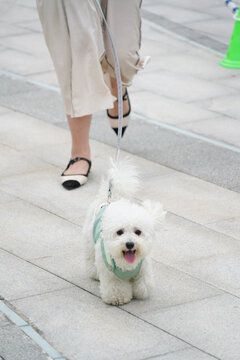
(116, 300)
(94, 276)
(140, 290)
(116, 297)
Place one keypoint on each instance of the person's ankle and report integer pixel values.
(81, 153)
(86, 156)
(114, 88)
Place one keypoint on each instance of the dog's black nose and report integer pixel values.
(129, 245)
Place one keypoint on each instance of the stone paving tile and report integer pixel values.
(28, 3)
(3, 320)
(216, 28)
(215, 45)
(68, 262)
(203, 6)
(189, 34)
(15, 162)
(226, 105)
(73, 319)
(221, 271)
(178, 14)
(15, 345)
(31, 132)
(30, 25)
(237, 292)
(198, 63)
(155, 18)
(40, 103)
(30, 232)
(167, 110)
(69, 205)
(185, 33)
(211, 163)
(178, 86)
(186, 354)
(23, 63)
(32, 43)
(157, 43)
(172, 287)
(11, 13)
(48, 77)
(212, 324)
(232, 81)
(9, 30)
(221, 128)
(163, 139)
(194, 199)
(11, 88)
(3, 110)
(214, 9)
(229, 227)
(21, 279)
(236, 188)
(59, 155)
(181, 240)
(5, 198)
(219, 11)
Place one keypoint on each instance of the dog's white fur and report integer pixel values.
(125, 214)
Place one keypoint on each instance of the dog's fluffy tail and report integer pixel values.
(124, 178)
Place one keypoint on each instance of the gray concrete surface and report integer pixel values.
(193, 313)
(15, 345)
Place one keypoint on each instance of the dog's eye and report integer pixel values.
(120, 232)
(138, 232)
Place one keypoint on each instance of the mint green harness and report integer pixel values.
(109, 262)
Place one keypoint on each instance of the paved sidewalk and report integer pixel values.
(194, 311)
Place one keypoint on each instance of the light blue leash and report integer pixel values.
(119, 84)
(97, 227)
(120, 100)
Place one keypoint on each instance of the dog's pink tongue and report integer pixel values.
(129, 256)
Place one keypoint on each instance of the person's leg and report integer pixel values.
(73, 34)
(126, 32)
(124, 20)
(114, 110)
(89, 92)
(79, 128)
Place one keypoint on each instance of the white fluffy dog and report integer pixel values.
(119, 237)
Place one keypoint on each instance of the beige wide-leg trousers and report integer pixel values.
(81, 50)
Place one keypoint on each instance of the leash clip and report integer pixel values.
(109, 190)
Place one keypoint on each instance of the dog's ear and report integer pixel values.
(155, 210)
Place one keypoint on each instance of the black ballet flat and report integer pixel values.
(71, 182)
(113, 120)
